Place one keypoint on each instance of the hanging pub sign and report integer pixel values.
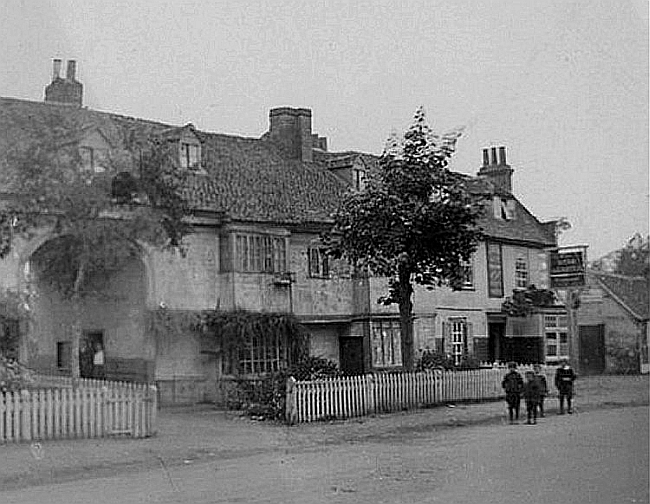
(568, 267)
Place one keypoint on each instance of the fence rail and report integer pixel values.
(354, 396)
(78, 412)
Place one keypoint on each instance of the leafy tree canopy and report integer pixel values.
(415, 221)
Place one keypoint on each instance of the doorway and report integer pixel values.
(90, 342)
(592, 349)
(351, 355)
(496, 341)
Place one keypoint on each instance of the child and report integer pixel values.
(564, 378)
(513, 384)
(531, 396)
(543, 387)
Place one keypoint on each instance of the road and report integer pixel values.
(599, 456)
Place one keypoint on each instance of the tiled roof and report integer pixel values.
(632, 292)
(247, 178)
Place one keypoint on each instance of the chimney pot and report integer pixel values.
(502, 156)
(56, 69)
(72, 69)
(494, 156)
(486, 157)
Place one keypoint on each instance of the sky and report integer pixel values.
(562, 84)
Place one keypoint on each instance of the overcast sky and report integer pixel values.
(562, 84)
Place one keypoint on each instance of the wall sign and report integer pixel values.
(567, 268)
(495, 270)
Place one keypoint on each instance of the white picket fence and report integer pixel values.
(91, 411)
(354, 396)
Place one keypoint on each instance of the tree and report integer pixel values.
(634, 258)
(96, 227)
(415, 221)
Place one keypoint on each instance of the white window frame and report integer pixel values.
(386, 343)
(458, 330)
(189, 155)
(556, 337)
(468, 274)
(521, 273)
(257, 253)
(359, 179)
(91, 158)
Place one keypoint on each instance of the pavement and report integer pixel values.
(192, 435)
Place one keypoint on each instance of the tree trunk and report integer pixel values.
(76, 322)
(405, 292)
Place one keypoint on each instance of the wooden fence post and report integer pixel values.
(291, 408)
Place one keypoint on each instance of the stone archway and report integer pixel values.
(111, 314)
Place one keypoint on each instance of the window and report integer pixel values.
(386, 343)
(521, 273)
(557, 337)
(260, 254)
(504, 209)
(190, 155)
(467, 272)
(64, 355)
(260, 355)
(318, 263)
(359, 179)
(93, 159)
(459, 340)
(9, 337)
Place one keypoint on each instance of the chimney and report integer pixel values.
(66, 91)
(56, 69)
(72, 69)
(290, 129)
(496, 170)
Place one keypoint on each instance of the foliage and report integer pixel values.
(623, 360)
(13, 376)
(634, 258)
(14, 311)
(436, 360)
(523, 302)
(236, 329)
(415, 221)
(265, 398)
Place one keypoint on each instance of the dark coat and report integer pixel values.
(532, 391)
(543, 387)
(513, 383)
(564, 379)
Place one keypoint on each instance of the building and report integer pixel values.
(260, 206)
(613, 324)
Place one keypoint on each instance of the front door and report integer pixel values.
(496, 341)
(351, 355)
(592, 349)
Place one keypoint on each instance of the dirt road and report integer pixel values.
(599, 456)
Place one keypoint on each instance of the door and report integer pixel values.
(496, 341)
(351, 355)
(592, 349)
(90, 342)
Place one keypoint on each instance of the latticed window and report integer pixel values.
(386, 343)
(318, 263)
(458, 335)
(521, 273)
(557, 337)
(259, 355)
(190, 155)
(467, 271)
(260, 254)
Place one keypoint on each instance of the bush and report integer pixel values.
(13, 376)
(436, 360)
(265, 397)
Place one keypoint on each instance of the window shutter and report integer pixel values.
(445, 335)
(467, 328)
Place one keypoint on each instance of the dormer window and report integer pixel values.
(359, 179)
(190, 155)
(93, 159)
(504, 209)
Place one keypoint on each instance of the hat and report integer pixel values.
(512, 365)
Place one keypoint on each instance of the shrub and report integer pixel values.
(13, 376)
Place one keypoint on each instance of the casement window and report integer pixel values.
(93, 159)
(260, 254)
(521, 273)
(467, 272)
(190, 155)
(318, 266)
(359, 179)
(259, 355)
(458, 330)
(64, 356)
(504, 209)
(556, 337)
(9, 336)
(386, 343)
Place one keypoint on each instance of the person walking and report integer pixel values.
(513, 384)
(543, 387)
(564, 378)
(531, 396)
